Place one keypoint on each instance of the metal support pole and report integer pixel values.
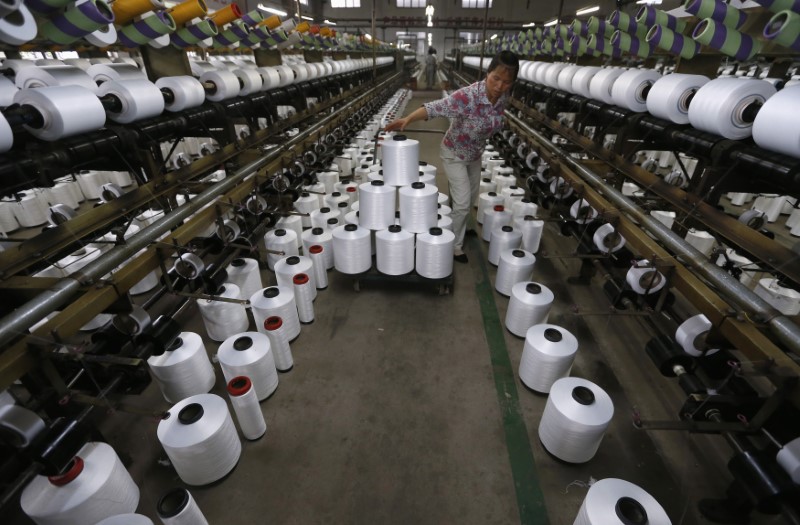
(483, 40)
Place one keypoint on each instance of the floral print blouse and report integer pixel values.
(472, 119)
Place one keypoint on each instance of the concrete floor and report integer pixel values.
(404, 407)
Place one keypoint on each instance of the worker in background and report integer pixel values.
(475, 112)
(430, 68)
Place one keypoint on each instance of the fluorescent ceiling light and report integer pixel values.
(493, 36)
(551, 22)
(649, 2)
(430, 23)
(529, 25)
(329, 22)
(587, 10)
(272, 10)
(304, 17)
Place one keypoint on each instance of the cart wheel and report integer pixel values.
(356, 285)
(443, 289)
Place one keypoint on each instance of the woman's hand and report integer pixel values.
(397, 125)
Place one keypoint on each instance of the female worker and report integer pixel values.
(475, 112)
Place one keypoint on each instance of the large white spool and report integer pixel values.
(418, 205)
(547, 356)
(789, 459)
(250, 354)
(575, 419)
(493, 219)
(522, 208)
(245, 406)
(515, 266)
(607, 239)
(721, 105)
(530, 304)
(321, 237)
(276, 301)
(691, 335)
(400, 161)
(511, 195)
(502, 239)
(394, 251)
(582, 211)
(614, 501)
(177, 507)
(94, 487)
(200, 439)
(184, 370)
(19, 425)
(352, 249)
(288, 267)
(670, 95)
(245, 274)
(644, 279)
(774, 128)
(221, 318)
(376, 205)
(785, 300)
(306, 204)
(602, 83)
(434, 255)
(487, 201)
(280, 240)
(702, 240)
(631, 88)
(531, 230)
(294, 223)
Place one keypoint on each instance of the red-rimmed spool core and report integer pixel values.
(74, 470)
(239, 386)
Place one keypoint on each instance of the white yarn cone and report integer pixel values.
(613, 501)
(177, 507)
(279, 301)
(184, 370)
(547, 356)
(223, 319)
(250, 354)
(515, 266)
(529, 305)
(245, 406)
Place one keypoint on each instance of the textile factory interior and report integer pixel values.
(231, 295)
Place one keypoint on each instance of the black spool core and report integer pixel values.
(305, 194)
(689, 97)
(294, 259)
(583, 395)
(365, 166)
(325, 210)
(377, 183)
(395, 228)
(317, 231)
(507, 229)
(646, 90)
(177, 343)
(533, 288)
(242, 343)
(399, 137)
(191, 413)
(749, 113)
(417, 185)
(423, 163)
(239, 383)
(221, 290)
(333, 220)
(342, 205)
(397, 215)
(553, 335)
(351, 227)
(435, 231)
(492, 194)
(238, 262)
(172, 503)
(271, 292)
(280, 232)
(518, 254)
(336, 194)
(487, 180)
(630, 512)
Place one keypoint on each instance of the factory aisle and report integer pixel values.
(404, 406)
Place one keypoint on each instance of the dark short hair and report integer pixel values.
(506, 59)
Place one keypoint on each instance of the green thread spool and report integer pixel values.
(672, 42)
(631, 44)
(784, 28)
(77, 21)
(147, 29)
(650, 16)
(725, 39)
(718, 10)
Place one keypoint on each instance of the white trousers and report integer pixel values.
(464, 178)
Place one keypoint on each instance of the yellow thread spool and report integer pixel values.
(302, 27)
(127, 10)
(226, 14)
(188, 10)
(271, 22)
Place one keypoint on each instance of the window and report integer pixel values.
(303, 2)
(345, 3)
(469, 38)
(475, 4)
(411, 3)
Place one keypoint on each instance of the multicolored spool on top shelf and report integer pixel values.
(729, 41)
(77, 21)
(631, 44)
(777, 6)
(226, 15)
(672, 42)
(626, 23)
(784, 28)
(717, 10)
(148, 28)
(650, 16)
(194, 33)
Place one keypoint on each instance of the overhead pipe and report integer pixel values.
(729, 287)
